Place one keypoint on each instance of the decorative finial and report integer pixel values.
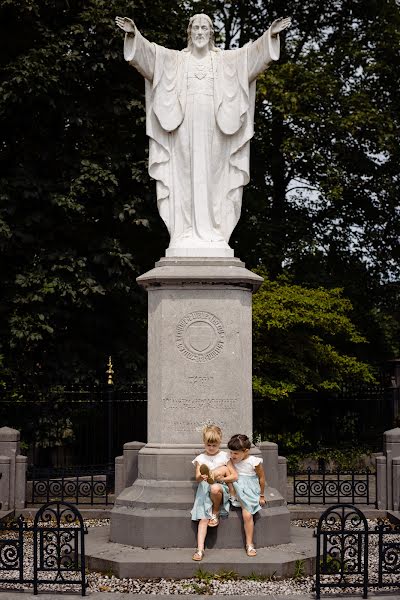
(110, 372)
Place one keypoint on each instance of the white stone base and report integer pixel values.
(213, 252)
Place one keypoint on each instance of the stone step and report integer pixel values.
(127, 561)
(6, 513)
(394, 516)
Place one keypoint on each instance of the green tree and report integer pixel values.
(77, 209)
(322, 203)
(304, 340)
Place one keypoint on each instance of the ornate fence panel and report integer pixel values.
(350, 555)
(389, 554)
(342, 534)
(82, 485)
(58, 546)
(50, 552)
(12, 550)
(332, 487)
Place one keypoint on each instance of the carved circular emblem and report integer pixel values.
(200, 336)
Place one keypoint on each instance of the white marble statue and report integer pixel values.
(200, 119)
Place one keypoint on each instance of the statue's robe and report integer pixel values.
(200, 127)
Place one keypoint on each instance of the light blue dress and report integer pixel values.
(202, 507)
(247, 486)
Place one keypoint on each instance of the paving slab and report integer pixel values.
(131, 562)
(129, 596)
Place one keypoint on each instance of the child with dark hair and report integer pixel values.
(249, 486)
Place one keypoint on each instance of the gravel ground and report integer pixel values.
(225, 583)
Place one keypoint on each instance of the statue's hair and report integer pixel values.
(211, 43)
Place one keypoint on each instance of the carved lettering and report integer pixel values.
(200, 403)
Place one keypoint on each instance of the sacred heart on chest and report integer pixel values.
(200, 74)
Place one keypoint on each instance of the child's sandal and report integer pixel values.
(214, 521)
(204, 470)
(250, 550)
(198, 555)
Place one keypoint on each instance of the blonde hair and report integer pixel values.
(211, 43)
(212, 434)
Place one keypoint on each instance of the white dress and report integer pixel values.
(247, 486)
(202, 507)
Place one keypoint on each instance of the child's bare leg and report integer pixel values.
(216, 499)
(232, 491)
(201, 536)
(201, 533)
(248, 523)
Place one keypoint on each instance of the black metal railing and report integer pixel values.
(85, 485)
(332, 487)
(352, 555)
(57, 535)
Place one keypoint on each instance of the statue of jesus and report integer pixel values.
(200, 119)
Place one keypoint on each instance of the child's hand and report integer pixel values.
(204, 477)
(262, 501)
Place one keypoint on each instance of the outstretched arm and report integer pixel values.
(267, 48)
(139, 52)
(279, 25)
(125, 24)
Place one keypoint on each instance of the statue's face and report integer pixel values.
(200, 32)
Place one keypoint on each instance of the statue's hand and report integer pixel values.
(279, 25)
(125, 24)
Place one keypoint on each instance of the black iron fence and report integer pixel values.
(51, 551)
(331, 487)
(91, 485)
(351, 555)
(77, 427)
(61, 427)
(354, 416)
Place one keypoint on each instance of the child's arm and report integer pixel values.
(231, 475)
(261, 478)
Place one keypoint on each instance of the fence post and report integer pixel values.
(110, 412)
(396, 483)
(282, 472)
(269, 452)
(381, 483)
(9, 449)
(119, 475)
(21, 464)
(392, 451)
(131, 459)
(5, 463)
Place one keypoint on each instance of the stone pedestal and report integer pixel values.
(199, 372)
(388, 472)
(12, 470)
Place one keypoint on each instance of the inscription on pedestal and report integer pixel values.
(192, 414)
(200, 336)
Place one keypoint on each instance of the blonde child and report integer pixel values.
(212, 499)
(249, 486)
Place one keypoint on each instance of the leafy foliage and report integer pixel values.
(78, 217)
(302, 339)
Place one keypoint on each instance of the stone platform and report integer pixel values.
(128, 561)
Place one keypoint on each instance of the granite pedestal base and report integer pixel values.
(155, 511)
(199, 373)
